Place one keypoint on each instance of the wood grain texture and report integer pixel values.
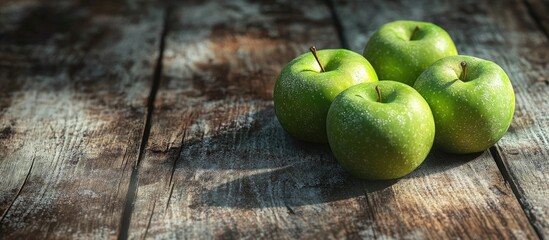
(74, 82)
(539, 10)
(74, 79)
(524, 150)
(218, 164)
(503, 32)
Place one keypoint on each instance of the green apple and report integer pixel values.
(304, 91)
(380, 130)
(472, 102)
(402, 50)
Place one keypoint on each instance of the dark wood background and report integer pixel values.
(144, 119)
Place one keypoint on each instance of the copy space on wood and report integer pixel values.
(74, 80)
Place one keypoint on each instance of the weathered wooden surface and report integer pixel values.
(215, 162)
(74, 80)
(524, 151)
(503, 32)
(228, 169)
(539, 10)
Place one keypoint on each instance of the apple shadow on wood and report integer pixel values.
(292, 186)
(439, 161)
(258, 165)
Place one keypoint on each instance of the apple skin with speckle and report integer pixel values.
(398, 52)
(380, 140)
(470, 114)
(303, 94)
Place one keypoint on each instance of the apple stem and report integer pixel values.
(464, 72)
(313, 50)
(414, 33)
(378, 90)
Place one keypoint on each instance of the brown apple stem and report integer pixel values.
(414, 33)
(378, 90)
(313, 50)
(464, 71)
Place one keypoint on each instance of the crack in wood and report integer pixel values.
(370, 209)
(150, 220)
(179, 153)
(536, 17)
(337, 24)
(18, 191)
(505, 173)
(174, 165)
(169, 197)
(134, 179)
(290, 210)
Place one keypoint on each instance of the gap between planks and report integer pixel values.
(502, 167)
(18, 192)
(337, 24)
(132, 188)
(534, 14)
(506, 174)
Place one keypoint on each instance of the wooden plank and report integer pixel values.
(219, 165)
(506, 35)
(524, 151)
(74, 77)
(539, 10)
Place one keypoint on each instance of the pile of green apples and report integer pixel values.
(426, 95)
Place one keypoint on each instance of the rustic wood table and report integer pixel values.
(154, 119)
